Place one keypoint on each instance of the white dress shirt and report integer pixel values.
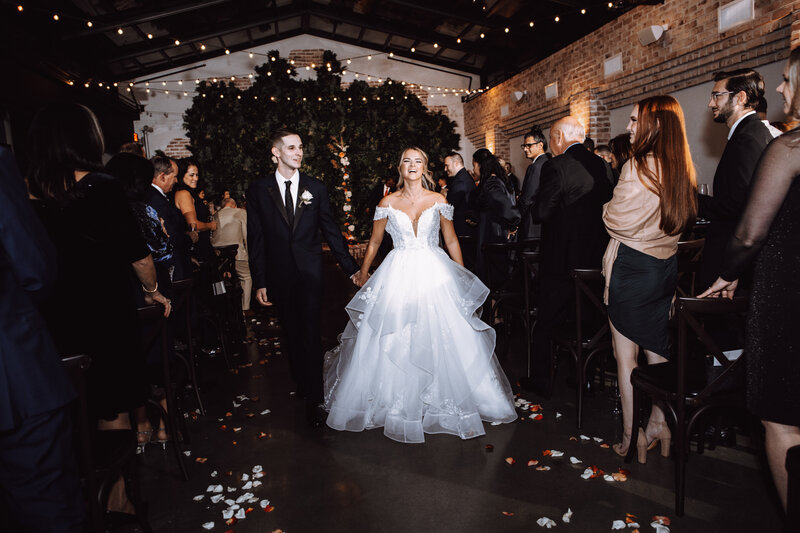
(156, 187)
(281, 181)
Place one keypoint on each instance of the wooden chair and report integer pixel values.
(688, 386)
(530, 271)
(589, 335)
(182, 311)
(689, 254)
(175, 424)
(104, 456)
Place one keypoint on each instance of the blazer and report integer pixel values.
(731, 190)
(32, 379)
(528, 229)
(573, 188)
(231, 229)
(459, 191)
(280, 255)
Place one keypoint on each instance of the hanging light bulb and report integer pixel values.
(177, 42)
(251, 55)
(119, 31)
(227, 52)
(202, 46)
(89, 23)
(149, 35)
(55, 17)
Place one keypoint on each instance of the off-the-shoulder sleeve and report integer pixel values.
(446, 210)
(381, 212)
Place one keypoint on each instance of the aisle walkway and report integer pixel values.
(320, 480)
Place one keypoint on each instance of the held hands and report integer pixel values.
(722, 288)
(359, 278)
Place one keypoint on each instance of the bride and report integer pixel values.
(414, 357)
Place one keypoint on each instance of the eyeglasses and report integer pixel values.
(716, 95)
(528, 145)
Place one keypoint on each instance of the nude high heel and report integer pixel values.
(641, 447)
(664, 437)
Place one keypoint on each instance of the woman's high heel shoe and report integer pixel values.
(664, 437)
(641, 447)
(142, 439)
(163, 442)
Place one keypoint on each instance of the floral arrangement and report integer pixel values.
(340, 162)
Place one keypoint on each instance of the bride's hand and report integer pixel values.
(360, 278)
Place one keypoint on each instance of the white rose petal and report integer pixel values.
(659, 527)
(587, 473)
(546, 522)
(556, 453)
(584, 437)
(558, 415)
(208, 525)
(264, 412)
(256, 483)
(618, 524)
(227, 514)
(214, 473)
(247, 486)
(258, 475)
(258, 468)
(199, 497)
(597, 439)
(264, 503)
(633, 525)
(216, 498)
(187, 453)
(230, 503)
(567, 516)
(607, 477)
(241, 514)
(574, 460)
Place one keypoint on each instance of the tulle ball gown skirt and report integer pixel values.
(414, 357)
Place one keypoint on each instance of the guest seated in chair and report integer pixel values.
(654, 201)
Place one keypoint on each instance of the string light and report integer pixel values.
(119, 31)
(55, 17)
(558, 18)
(227, 52)
(149, 35)
(202, 46)
(177, 42)
(20, 8)
(89, 23)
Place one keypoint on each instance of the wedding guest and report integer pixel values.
(232, 229)
(620, 150)
(654, 201)
(134, 148)
(497, 213)
(733, 102)
(603, 151)
(574, 186)
(165, 173)
(512, 179)
(767, 236)
(135, 175)
(441, 186)
(97, 243)
(194, 209)
(39, 478)
(761, 109)
(535, 148)
(460, 187)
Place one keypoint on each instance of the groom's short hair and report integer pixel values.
(277, 137)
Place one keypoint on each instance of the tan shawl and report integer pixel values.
(632, 218)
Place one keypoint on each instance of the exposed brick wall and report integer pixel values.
(304, 58)
(438, 108)
(690, 50)
(177, 148)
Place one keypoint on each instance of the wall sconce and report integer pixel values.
(651, 34)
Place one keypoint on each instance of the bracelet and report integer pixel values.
(150, 292)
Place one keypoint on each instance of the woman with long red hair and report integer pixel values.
(653, 202)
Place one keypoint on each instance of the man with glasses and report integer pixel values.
(734, 99)
(535, 147)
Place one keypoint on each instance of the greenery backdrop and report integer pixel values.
(228, 130)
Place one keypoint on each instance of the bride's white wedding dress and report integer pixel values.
(414, 357)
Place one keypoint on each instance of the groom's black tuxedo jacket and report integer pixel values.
(281, 255)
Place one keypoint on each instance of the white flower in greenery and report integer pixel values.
(348, 193)
(347, 208)
(344, 161)
(351, 228)
(306, 197)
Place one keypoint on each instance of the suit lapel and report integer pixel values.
(299, 205)
(276, 196)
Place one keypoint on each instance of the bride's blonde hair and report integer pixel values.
(427, 179)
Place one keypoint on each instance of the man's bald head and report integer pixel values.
(228, 202)
(564, 132)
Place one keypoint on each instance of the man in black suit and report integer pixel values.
(574, 186)
(39, 480)
(535, 148)
(164, 179)
(733, 101)
(459, 189)
(286, 212)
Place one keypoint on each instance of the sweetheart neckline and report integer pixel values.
(413, 229)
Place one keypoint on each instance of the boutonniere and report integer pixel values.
(306, 197)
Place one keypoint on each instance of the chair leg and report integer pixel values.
(580, 378)
(188, 362)
(680, 448)
(637, 423)
(133, 491)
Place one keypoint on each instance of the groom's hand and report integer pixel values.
(261, 296)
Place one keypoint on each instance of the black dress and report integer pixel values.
(769, 232)
(497, 215)
(202, 249)
(92, 309)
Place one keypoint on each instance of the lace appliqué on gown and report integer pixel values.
(414, 357)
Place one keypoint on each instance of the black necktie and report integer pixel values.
(287, 198)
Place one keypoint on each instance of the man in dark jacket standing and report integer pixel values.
(733, 101)
(574, 186)
(459, 189)
(535, 148)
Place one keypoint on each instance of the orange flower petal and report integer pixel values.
(489, 448)
(573, 438)
(200, 459)
(538, 417)
(507, 513)
(605, 445)
(533, 462)
(536, 408)
(546, 453)
(269, 509)
(661, 519)
(228, 414)
(510, 460)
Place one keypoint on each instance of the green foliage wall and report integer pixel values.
(228, 130)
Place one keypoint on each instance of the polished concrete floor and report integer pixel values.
(321, 480)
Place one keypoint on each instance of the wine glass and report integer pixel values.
(703, 189)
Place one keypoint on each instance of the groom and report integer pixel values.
(286, 212)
